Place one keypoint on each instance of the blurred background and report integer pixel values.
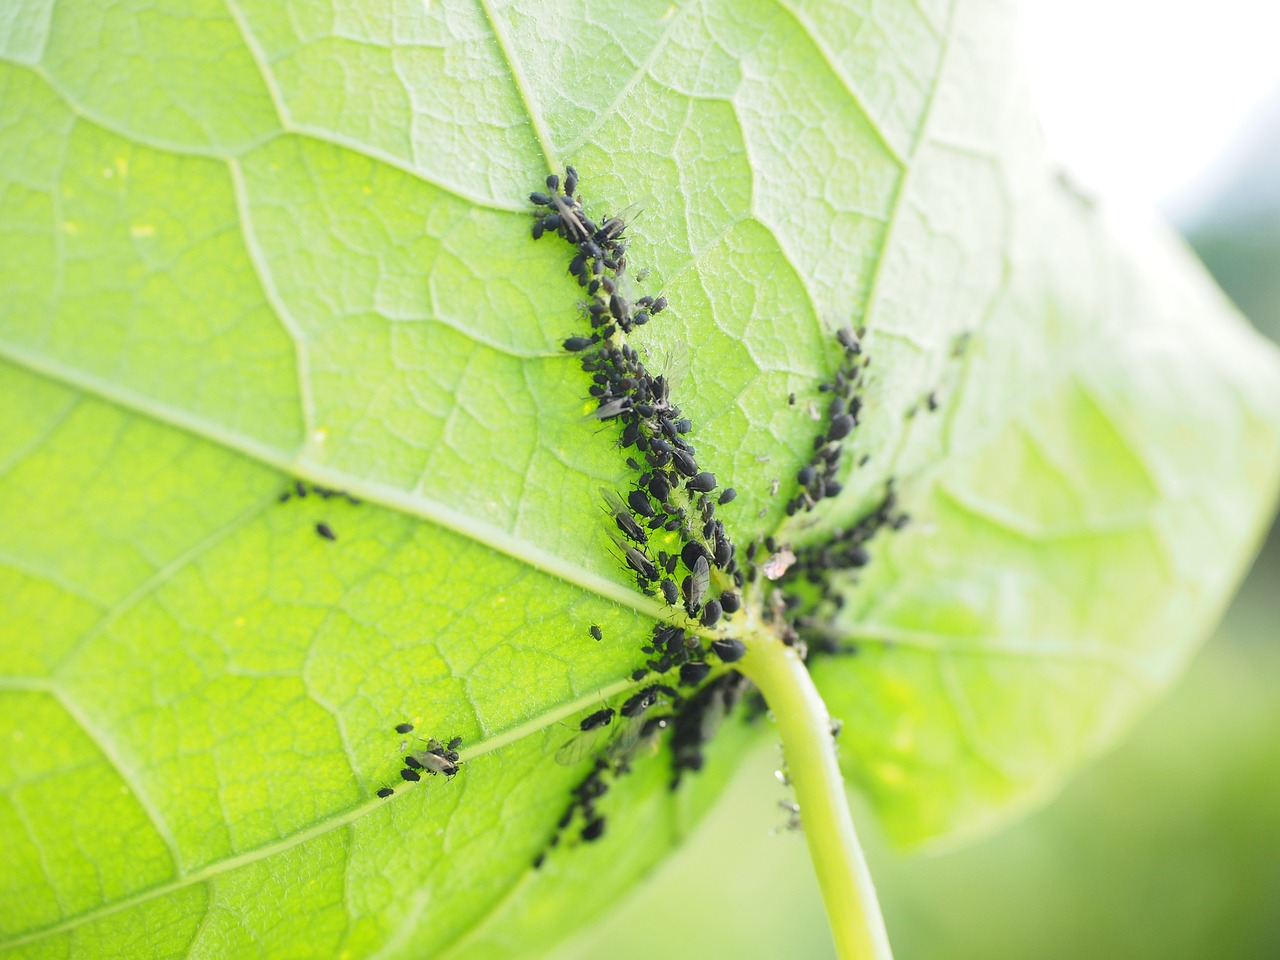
(1169, 847)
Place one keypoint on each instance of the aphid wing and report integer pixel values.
(581, 746)
(627, 736)
(634, 211)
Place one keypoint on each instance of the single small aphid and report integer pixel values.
(326, 531)
(729, 650)
(455, 743)
(411, 775)
(711, 613)
(691, 552)
(702, 483)
(730, 602)
(727, 496)
(570, 181)
(638, 562)
(594, 830)
(622, 517)
(684, 463)
(596, 633)
(413, 762)
(840, 428)
(553, 183)
(640, 503)
(695, 586)
(541, 199)
(385, 792)
(670, 592)
(404, 728)
(600, 718)
(577, 344)
(694, 672)
(435, 763)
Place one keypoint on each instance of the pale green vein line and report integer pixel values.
(128, 775)
(142, 140)
(260, 61)
(334, 139)
(47, 429)
(322, 827)
(302, 357)
(904, 185)
(610, 110)
(416, 505)
(159, 578)
(535, 119)
(33, 684)
(815, 37)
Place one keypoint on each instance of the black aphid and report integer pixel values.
(840, 428)
(576, 344)
(413, 762)
(711, 613)
(694, 672)
(385, 792)
(729, 651)
(404, 728)
(594, 830)
(670, 592)
(326, 531)
(730, 602)
(570, 181)
(595, 632)
(600, 718)
(411, 775)
(702, 483)
(640, 503)
(455, 743)
(727, 496)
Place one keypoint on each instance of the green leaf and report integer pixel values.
(245, 242)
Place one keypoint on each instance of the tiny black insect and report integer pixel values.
(570, 181)
(670, 592)
(600, 718)
(694, 672)
(594, 830)
(730, 651)
(326, 531)
(640, 503)
(711, 613)
(413, 762)
(385, 792)
(727, 496)
(730, 602)
(411, 775)
(576, 344)
(840, 428)
(595, 632)
(703, 483)
(455, 743)
(404, 728)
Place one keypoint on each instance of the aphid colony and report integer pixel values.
(672, 494)
(436, 757)
(299, 489)
(817, 478)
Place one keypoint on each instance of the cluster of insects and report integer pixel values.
(817, 478)
(668, 534)
(437, 757)
(300, 489)
(672, 494)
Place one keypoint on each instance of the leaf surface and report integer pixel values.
(252, 241)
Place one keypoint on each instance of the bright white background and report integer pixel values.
(1143, 100)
